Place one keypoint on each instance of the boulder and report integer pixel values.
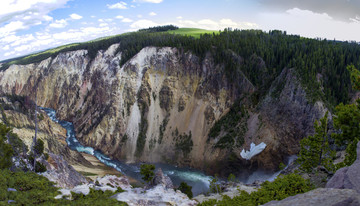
(321, 197)
(161, 179)
(347, 177)
(114, 181)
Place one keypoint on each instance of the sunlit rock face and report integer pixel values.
(161, 104)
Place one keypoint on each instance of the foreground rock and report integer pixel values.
(159, 192)
(321, 197)
(63, 174)
(161, 179)
(347, 177)
(157, 195)
(109, 182)
(230, 190)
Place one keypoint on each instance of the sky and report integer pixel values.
(27, 26)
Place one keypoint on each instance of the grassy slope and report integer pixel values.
(192, 32)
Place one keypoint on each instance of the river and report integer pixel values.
(195, 178)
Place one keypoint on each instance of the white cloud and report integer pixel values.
(23, 40)
(10, 7)
(92, 16)
(148, 1)
(47, 18)
(139, 16)
(75, 16)
(152, 14)
(208, 22)
(105, 20)
(59, 24)
(144, 23)
(187, 23)
(310, 24)
(11, 27)
(29, 12)
(22, 48)
(119, 17)
(120, 5)
(179, 17)
(25, 44)
(9, 38)
(127, 20)
(103, 24)
(216, 25)
(228, 23)
(9, 53)
(6, 47)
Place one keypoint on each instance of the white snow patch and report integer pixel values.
(254, 150)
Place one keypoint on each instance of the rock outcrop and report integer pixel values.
(347, 177)
(289, 114)
(19, 114)
(161, 179)
(158, 195)
(342, 189)
(64, 175)
(321, 197)
(108, 182)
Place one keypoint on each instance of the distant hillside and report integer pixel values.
(101, 43)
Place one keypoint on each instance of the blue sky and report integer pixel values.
(28, 26)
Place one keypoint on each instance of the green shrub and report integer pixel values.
(184, 143)
(214, 185)
(40, 167)
(33, 189)
(186, 189)
(231, 178)
(233, 125)
(147, 172)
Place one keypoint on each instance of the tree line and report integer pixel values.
(320, 64)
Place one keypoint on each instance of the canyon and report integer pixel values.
(160, 106)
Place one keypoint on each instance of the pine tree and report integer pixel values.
(315, 150)
(347, 121)
(147, 172)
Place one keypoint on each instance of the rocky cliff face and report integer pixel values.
(161, 104)
(18, 113)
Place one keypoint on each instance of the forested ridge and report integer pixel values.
(321, 64)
